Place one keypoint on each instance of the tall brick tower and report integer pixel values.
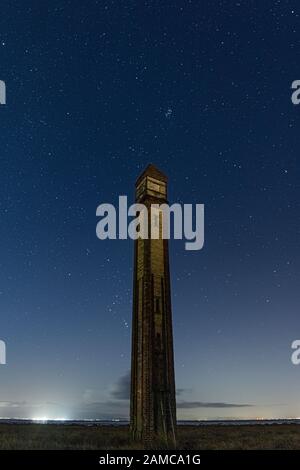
(153, 403)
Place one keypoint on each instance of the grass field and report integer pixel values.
(51, 436)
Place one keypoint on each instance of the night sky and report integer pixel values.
(96, 90)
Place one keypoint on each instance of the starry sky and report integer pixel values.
(95, 91)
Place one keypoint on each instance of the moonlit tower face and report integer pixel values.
(153, 405)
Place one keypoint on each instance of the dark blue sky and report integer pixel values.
(95, 91)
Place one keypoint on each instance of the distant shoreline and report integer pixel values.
(124, 422)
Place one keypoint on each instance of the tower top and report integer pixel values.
(152, 171)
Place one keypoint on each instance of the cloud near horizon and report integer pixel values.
(201, 404)
(115, 404)
(121, 391)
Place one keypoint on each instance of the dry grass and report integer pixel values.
(52, 436)
(276, 436)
